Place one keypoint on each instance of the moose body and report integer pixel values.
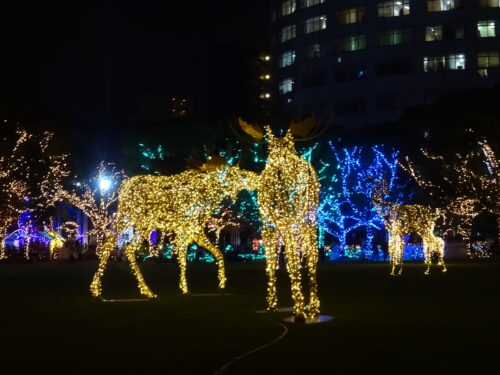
(182, 204)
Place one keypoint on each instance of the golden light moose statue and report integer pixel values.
(182, 204)
(288, 195)
(401, 219)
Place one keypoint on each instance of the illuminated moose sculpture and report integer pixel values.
(288, 194)
(401, 219)
(182, 204)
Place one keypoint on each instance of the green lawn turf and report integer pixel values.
(442, 323)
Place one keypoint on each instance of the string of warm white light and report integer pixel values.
(182, 204)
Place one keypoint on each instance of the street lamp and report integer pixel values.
(104, 184)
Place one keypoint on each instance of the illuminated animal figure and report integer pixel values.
(288, 194)
(56, 243)
(182, 204)
(401, 219)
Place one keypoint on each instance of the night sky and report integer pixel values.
(91, 62)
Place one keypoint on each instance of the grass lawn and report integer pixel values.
(443, 323)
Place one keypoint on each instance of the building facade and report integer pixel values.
(369, 60)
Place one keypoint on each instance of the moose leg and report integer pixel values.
(293, 261)
(96, 286)
(393, 252)
(182, 249)
(130, 254)
(440, 251)
(427, 254)
(219, 259)
(270, 239)
(401, 253)
(311, 251)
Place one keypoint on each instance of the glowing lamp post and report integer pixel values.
(104, 184)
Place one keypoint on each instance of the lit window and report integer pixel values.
(288, 32)
(315, 50)
(287, 58)
(351, 15)
(310, 3)
(489, 3)
(286, 86)
(448, 62)
(456, 62)
(314, 24)
(441, 5)
(433, 33)
(487, 60)
(352, 43)
(486, 29)
(394, 8)
(288, 7)
(393, 37)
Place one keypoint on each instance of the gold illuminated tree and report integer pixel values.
(24, 161)
(402, 219)
(490, 181)
(181, 204)
(468, 185)
(94, 197)
(288, 194)
(13, 184)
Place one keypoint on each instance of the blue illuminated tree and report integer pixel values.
(347, 190)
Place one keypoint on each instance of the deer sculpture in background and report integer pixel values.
(288, 194)
(181, 204)
(402, 219)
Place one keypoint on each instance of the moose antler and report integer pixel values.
(309, 128)
(255, 131)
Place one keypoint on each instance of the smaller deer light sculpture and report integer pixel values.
(288, 194)
(401, 219)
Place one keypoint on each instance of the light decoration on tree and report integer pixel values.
(346, 197)
(182, 204)
(95, 198)
(288, 195)
(13, 184)
(151, 154)
(24, 160)
(402, 219)
(24, 233)
(473, 180)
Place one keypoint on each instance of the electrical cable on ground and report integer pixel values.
(226, 366)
